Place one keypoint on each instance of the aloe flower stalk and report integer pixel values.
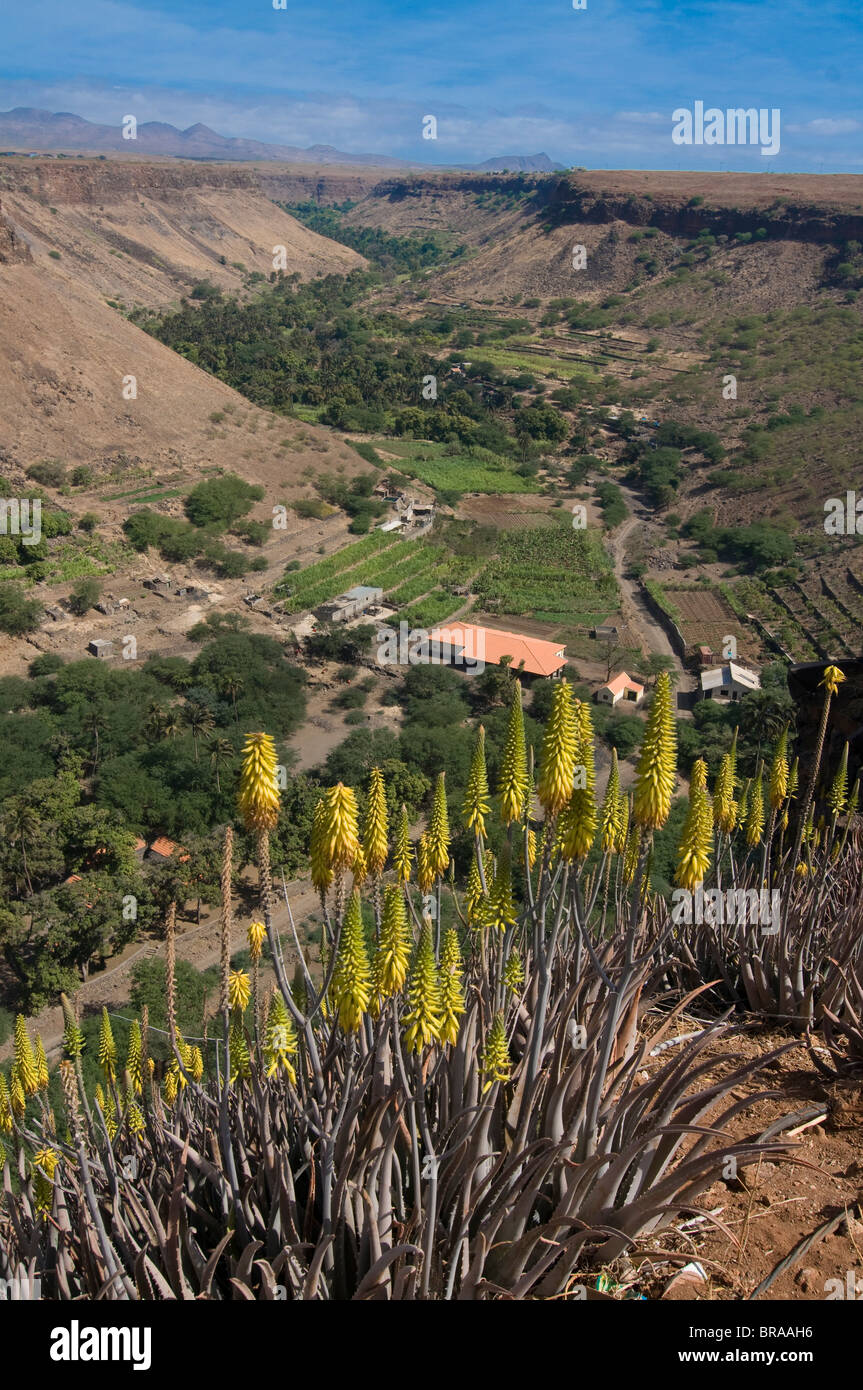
(838, 796)
(612, 810)
(513, 972)
(438, 834)
(319, 858)
(655, 775)
(557, 760)
(259, 783)
(392, 956)
(340, 831)
(351, 985)
(451, 987)
(693, 855)
(41, 1064)
(423, 1020)
(403, 852)
(500, 911)
(755, 815)
(134, 1058)
(779, 771)
(6, 1121)
(25, 1062)
(495, 1063)
(831, 681)
(425, 870)
(256, 935)
(375, 824)
(476, 803)
(107, 1048)
(513, 779)
(280, 1041)
(725, 808)
(579, 818)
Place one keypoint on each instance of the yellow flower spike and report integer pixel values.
(630, 854)
(340, 832)
(170, 1088)
(25, 1062)
(359, 868)
(779, 772)
(241, 1062)
(5, 1107)
(438, 837)
(196, 1064)
(403, 852)
(693, 855)
(134, 1058)
(794, 779)
(73, 1037)
(557, 760)
(832, 679)
(17, 1099)
(476, 803)
(425, 871)
(495, 1061)
(531, 848)
(623, 830)
(44, 1167)
(319, 858)
(838, 797)
(351, 983)
(579, 819)
(475, 900)
(100, 1096)
(451, 987)
(513, 778)
(513, 972)
(280, 1040)
(655, 774)
(393, 953)
(258, 799)
(755, 816)
(256, 935)
(41, 1064)
(107, 1048)
(375, 825)
(612, 809)
(500, 911)
(423, 1020)
(854, 798)
(239, 990)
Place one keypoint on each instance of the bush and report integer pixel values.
(221, 501)
(50, 473)
(84, 595)
(17, 613)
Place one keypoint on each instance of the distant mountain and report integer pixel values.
(519, 164)
(27, 128)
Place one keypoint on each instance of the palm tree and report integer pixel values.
(221, 753)
(233, 685)
(198, 720)
(172, 725)
(22, 824)
(154, 724)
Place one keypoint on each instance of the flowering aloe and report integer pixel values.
(375, 825)
(476, 803)
(423, 1020)
(107, 1048)
(693, 855)
(392, 956)
(495, 1062)
(451, 987)
(259, 783)
(402, 852)
(557, 760)
(438, 836)
(654, 781)
(512, 778)
(351, 984)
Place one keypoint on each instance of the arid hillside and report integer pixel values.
(80, 241)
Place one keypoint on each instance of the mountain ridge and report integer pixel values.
(41, 130)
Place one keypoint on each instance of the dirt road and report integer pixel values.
(634, 609)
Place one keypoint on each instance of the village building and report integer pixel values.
(466, 644)
(621, 688)
(728, 682)
(101, 648)
(349, 605)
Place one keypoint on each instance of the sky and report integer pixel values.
(593, 87)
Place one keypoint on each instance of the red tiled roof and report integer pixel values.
(490, 644)
(622, 682)
(167, 847)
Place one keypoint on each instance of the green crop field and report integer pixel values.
(478, 472)
(561, 576)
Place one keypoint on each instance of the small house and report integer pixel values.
(607, 632)
(349, 605)
(101, 648)
(728, 682)
(621, 688)
(159, 584)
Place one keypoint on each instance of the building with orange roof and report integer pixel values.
(620, 688)
(164, 849)
(473, 646)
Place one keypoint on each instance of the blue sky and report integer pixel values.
(592, 87)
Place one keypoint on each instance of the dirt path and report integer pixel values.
(200, 946)
(634, 609)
